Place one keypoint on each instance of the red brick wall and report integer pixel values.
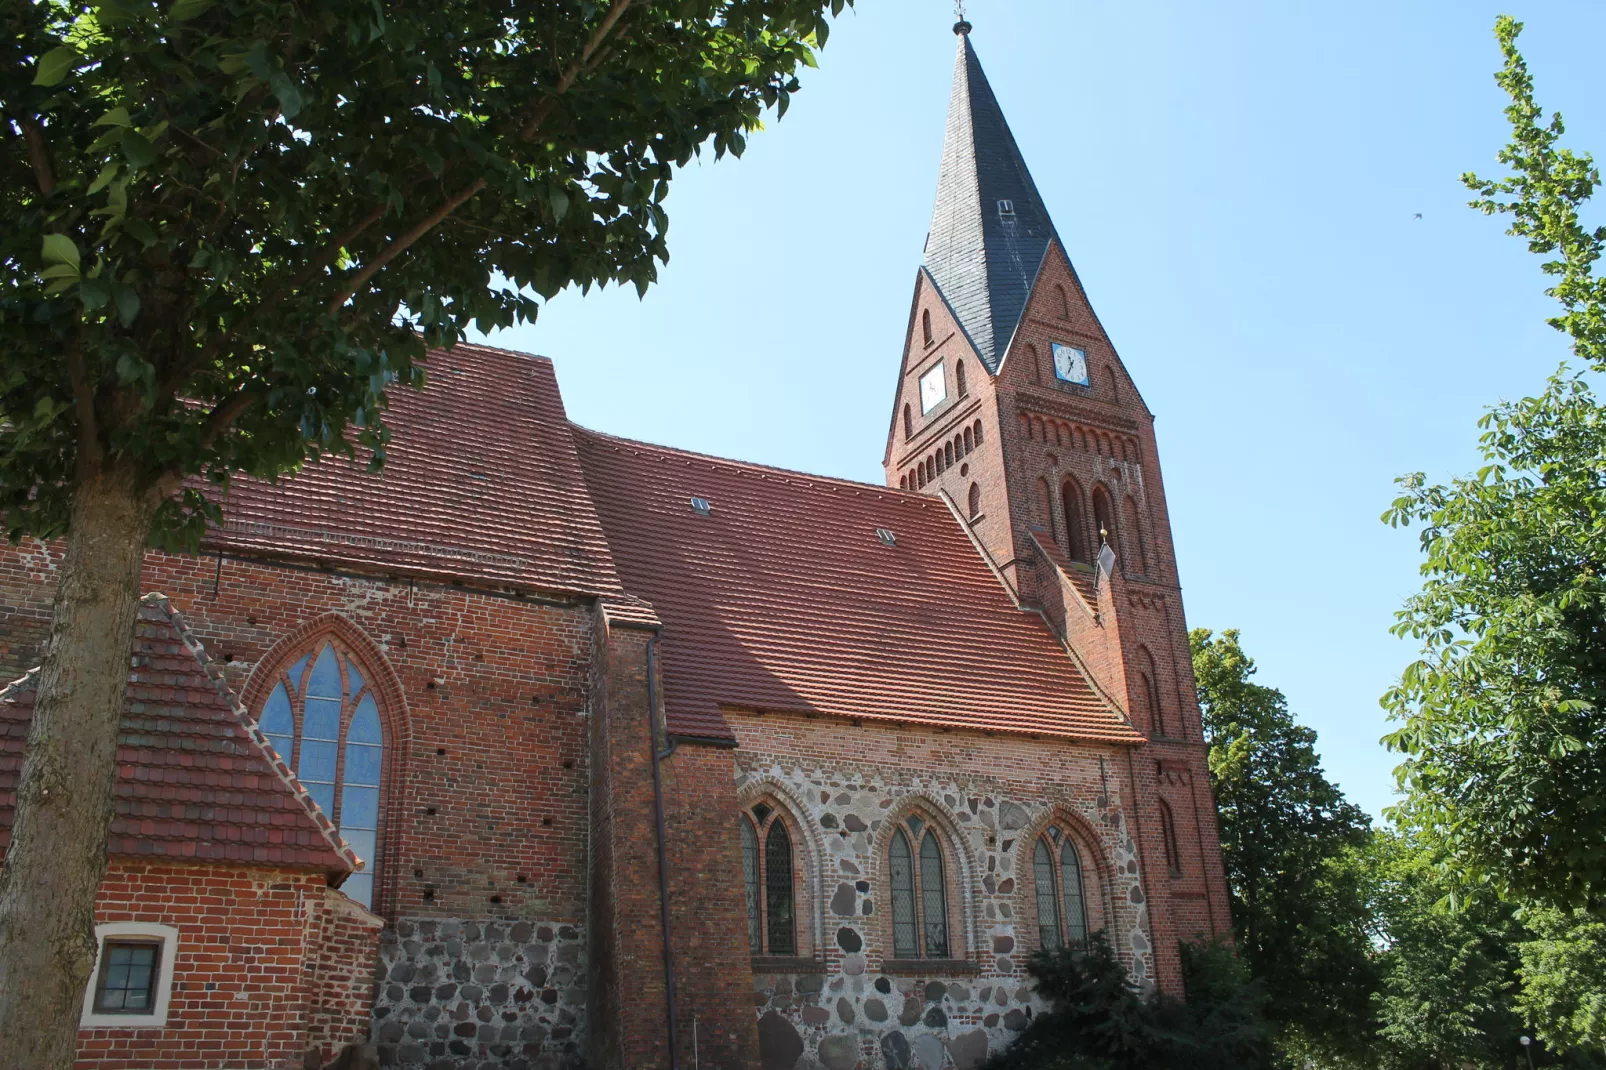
(484, 799)
(257, 976)
(340, 971)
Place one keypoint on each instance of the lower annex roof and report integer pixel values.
(783, 597)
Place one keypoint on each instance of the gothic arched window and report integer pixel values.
(919, 891)
(323, 720)
(959, 377)
(978, 432)
(1061, 899)
(1104, 518)
(767, 871)
(1075, 537)
(908, 423)
(975, 500)
(925, 326)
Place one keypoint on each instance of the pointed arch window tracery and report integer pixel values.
(323, 719)
(916, 873)
(768, 871)
(1061, 893)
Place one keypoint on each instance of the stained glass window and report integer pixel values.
(903, 898)
(1061, 902)
(768, 875)
(778, 890)
(919, 892)
(750, 879)
(1071, 893)
(1048, 913)
(323, 720)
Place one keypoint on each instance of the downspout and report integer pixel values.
(663, 862)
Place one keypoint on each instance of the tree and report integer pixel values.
(229, 228)
(1501, 720)
(1563, 969)
(1300, 916)
(1099, 1021)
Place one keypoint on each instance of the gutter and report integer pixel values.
(663, 862)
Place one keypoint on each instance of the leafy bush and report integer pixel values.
(1100, 1021)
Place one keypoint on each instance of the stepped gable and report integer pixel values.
(480, 483)
(196, 782)
(784, 598)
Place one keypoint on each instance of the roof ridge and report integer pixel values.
(481, 346)
(286, 775)
(880, 488)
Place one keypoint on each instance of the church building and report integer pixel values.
(547, 748)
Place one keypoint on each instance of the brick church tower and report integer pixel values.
(1014, 407)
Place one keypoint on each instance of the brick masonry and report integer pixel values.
(261, 972)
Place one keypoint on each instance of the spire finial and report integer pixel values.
(962, 28)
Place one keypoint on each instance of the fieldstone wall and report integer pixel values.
(482, 994)
(843, 1010)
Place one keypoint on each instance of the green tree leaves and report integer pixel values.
(1500, 720)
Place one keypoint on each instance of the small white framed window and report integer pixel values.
(133, 977)
(933, 389)
(1006, 209)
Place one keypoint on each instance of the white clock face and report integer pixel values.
(933, 389)
(1070, 364)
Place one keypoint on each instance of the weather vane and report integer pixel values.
(961, 26)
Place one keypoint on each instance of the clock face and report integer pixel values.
(1070, 364)
(933, 389)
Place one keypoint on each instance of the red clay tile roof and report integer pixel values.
(480, 482)
(784, 598)
(195, 781)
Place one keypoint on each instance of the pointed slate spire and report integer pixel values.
(989, 230)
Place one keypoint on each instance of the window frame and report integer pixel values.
(761, 829)
(1090, 879)
(294, 674)
(166, 939)
(915, 841)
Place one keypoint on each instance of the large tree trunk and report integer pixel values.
(64, 799)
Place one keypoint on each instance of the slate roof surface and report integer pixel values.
(984, 263)
(193, 785)
(784, 598)
(480, 482)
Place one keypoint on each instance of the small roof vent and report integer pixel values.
(1006, 209)
(887, 537)
(701, 507)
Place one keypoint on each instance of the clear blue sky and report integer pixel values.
(1238, 184)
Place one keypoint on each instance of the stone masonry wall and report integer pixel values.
(504, 993)
(991, 796)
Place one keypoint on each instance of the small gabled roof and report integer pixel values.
(784, 596)
(984, 260)
(196, 781)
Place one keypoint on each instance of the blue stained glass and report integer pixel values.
(359, 807)
(317, 761)
(323, 795)
(365, 723)
(362, 842)
(362, 764)
(325, 681)
(276, 717)
(298, 670)
(322, 719)
(360, 886)
(354, 677)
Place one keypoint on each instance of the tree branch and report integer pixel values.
(403, 242)
(83, 394)
(38, 154)
(579, 66)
